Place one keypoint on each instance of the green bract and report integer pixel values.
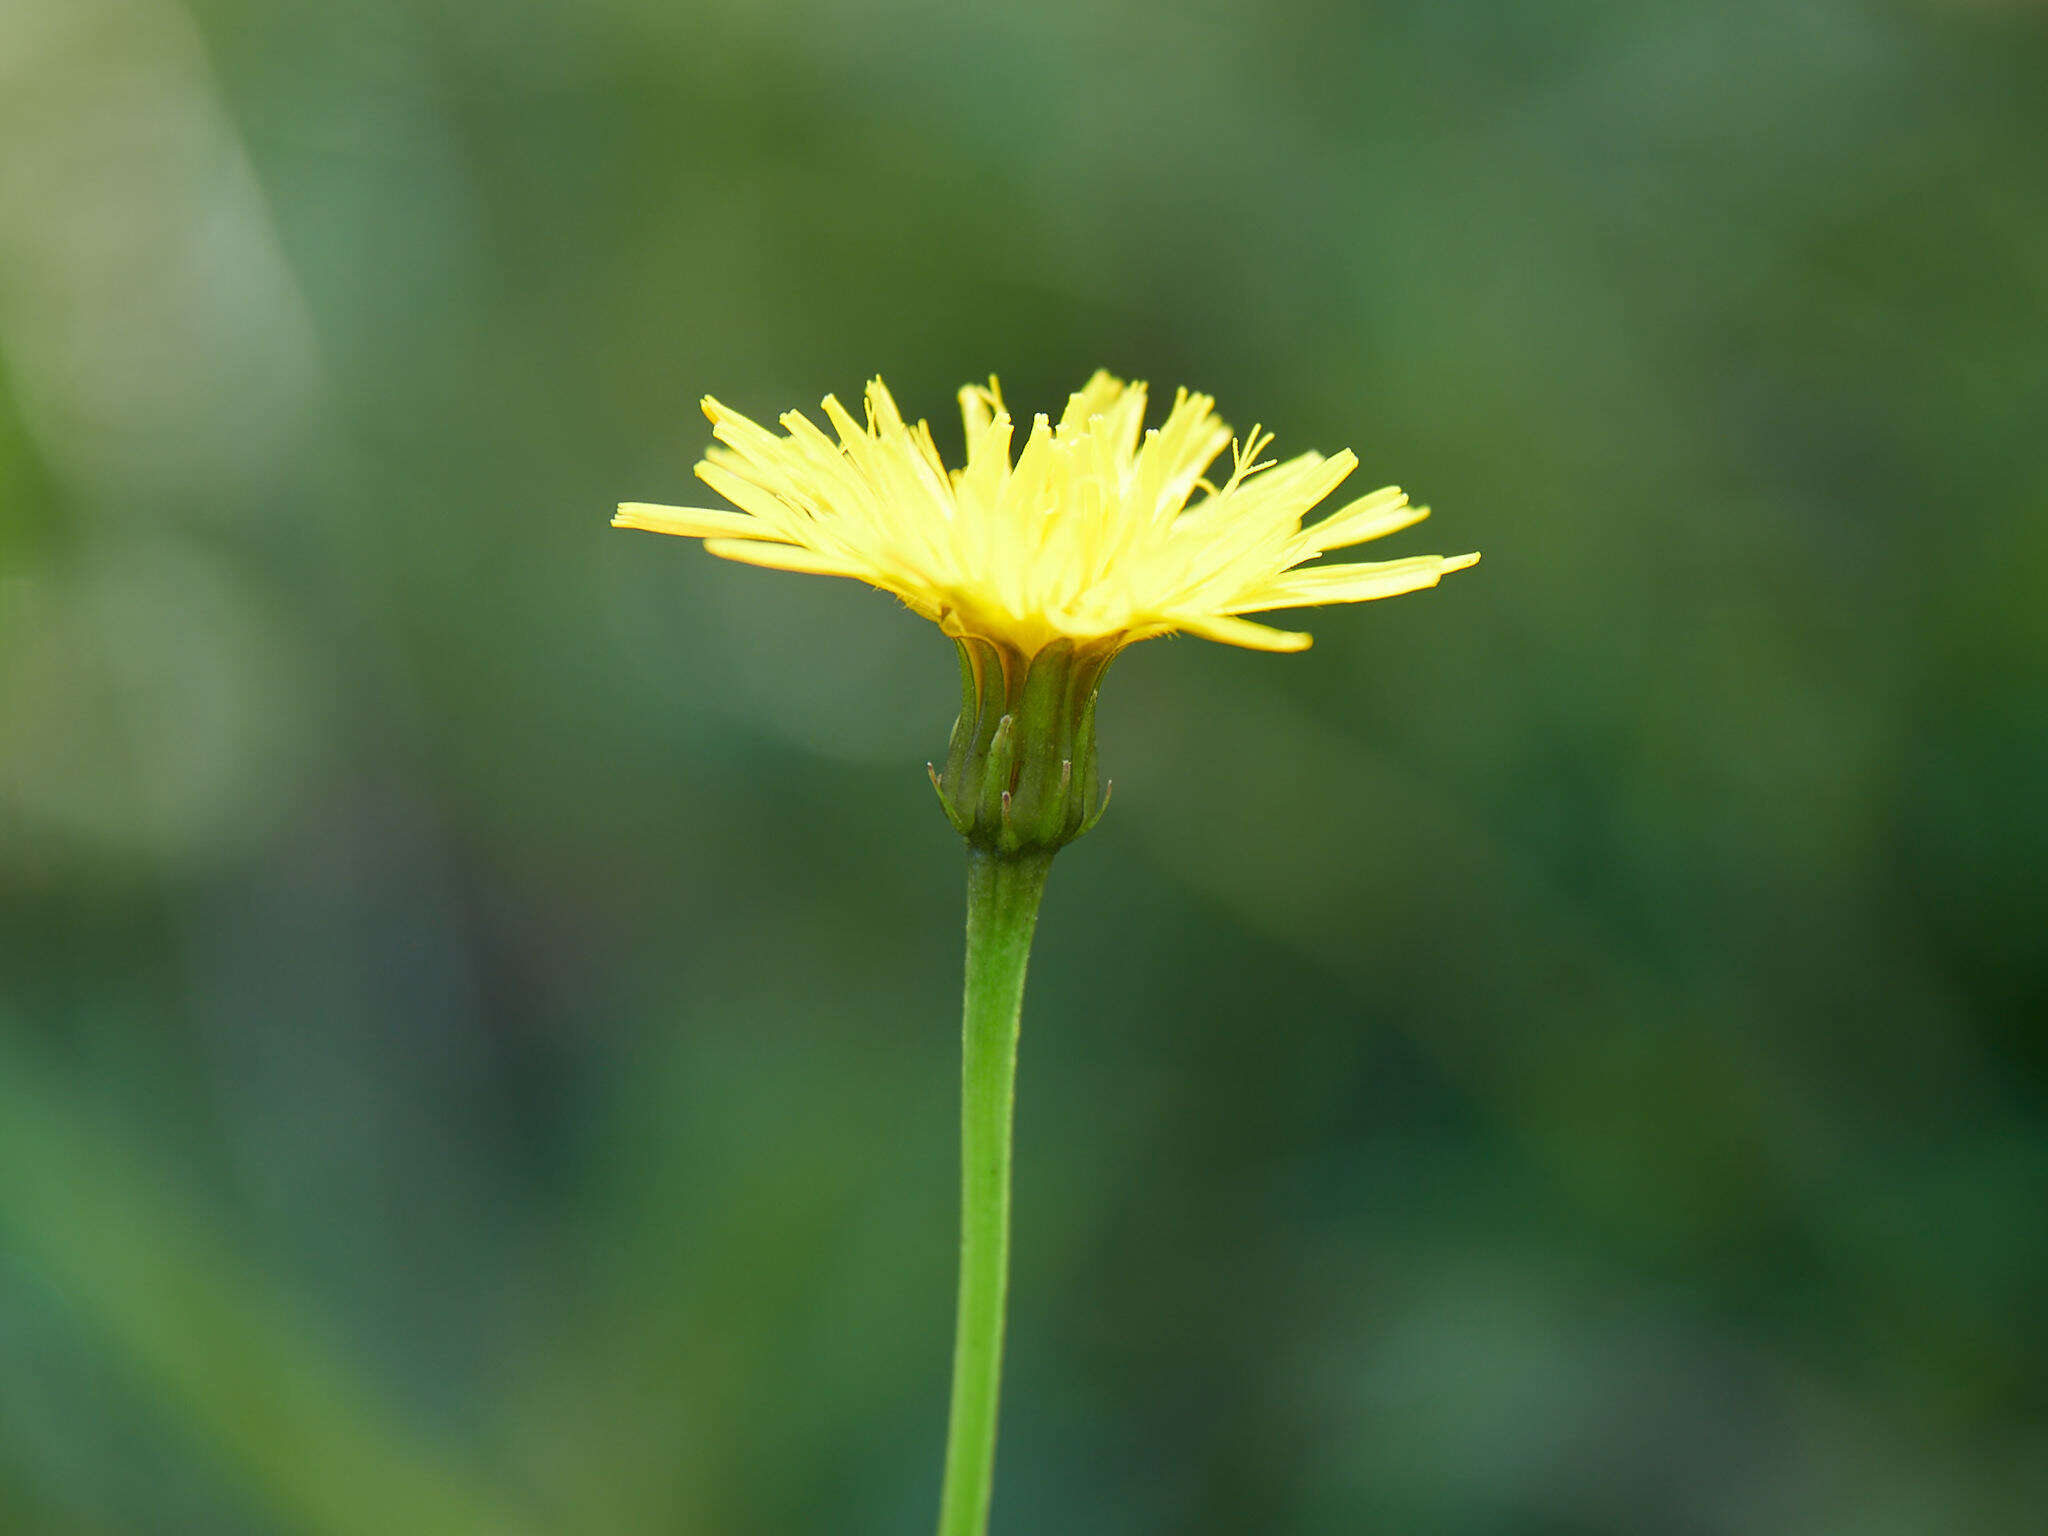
(1020, 770)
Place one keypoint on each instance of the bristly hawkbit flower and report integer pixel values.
(1097, 535)
(1100, 534)
(1089, 535)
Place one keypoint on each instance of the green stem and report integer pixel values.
(1002, 911)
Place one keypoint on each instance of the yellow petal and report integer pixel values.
(1098, 397)
(1255, 637)
(775, 520)
(786, 557)
(689, 522)
(1357, 582)
(1370, 517)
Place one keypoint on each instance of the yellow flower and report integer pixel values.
(1101, 532)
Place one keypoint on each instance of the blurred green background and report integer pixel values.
(478, 991)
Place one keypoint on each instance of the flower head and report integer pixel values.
(1101, 531)
(1098, 534)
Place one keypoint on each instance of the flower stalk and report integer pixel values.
(1003, 893)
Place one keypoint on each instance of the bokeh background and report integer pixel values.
(478, 990)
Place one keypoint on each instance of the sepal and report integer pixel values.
(1021, 768)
